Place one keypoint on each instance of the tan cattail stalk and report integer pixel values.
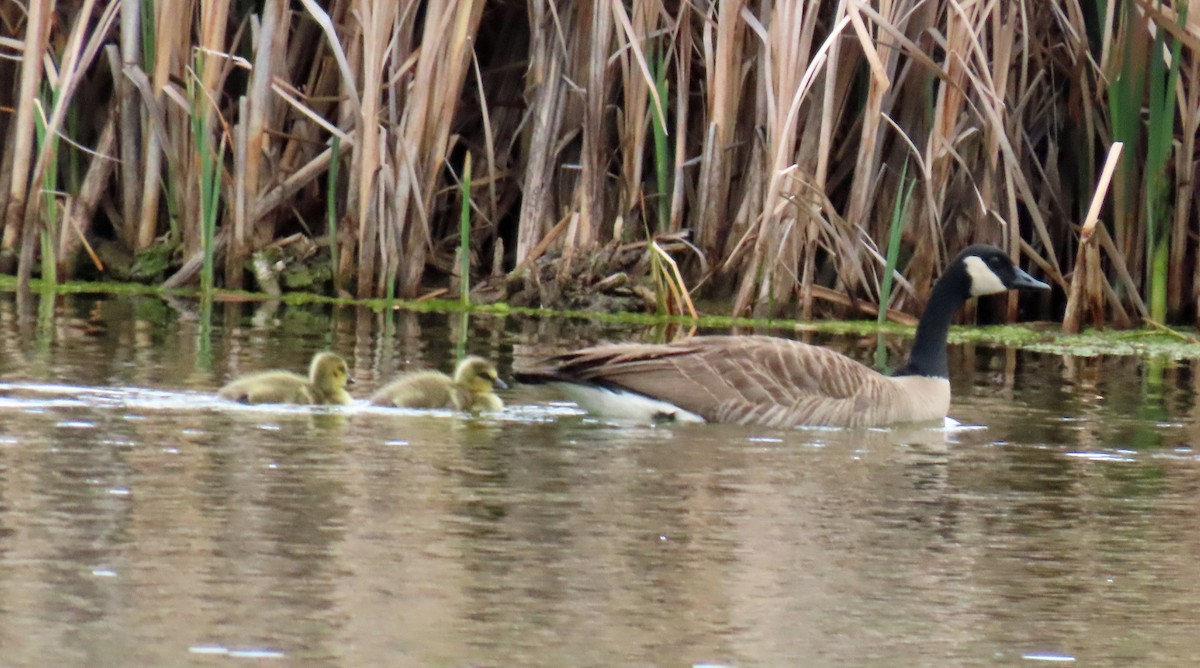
(37, 34)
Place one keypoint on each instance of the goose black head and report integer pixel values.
(988, 271)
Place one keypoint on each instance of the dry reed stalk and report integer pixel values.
(387, 211)
(170, 48)
(790, 71)
(37, 40)
(865, 183)
(1004, 34)
(1188, 167)
(326, 22)
(1085, 282)
(1014, 173)
(1166, 16)
(396, 173)
(723, 51)
(906, 111)
(7, 165)
(1186, 173)
(131, 121)
(639, 42)
(80, 211)
(489, 143)
(293, 184)
(544, 79)
(683, 76)
(330, 91)
(867, 165)
(210, 64)
(940, 149)
(424, 141)
(598, 28)
(635, 97)
(237, 212)
(1087, 293)
(834, 297)
(639, 58)
(375, 21)
(160, 124)
(253, 121)
(78, 56)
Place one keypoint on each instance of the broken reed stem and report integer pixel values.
(1172, 332)
(1086, 278)
(1102, 183)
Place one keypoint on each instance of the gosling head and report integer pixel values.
(477, 375)
(329, 372)
(989, 270)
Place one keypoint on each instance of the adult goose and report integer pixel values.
(326, 383)
(471, 389)
(777, 382)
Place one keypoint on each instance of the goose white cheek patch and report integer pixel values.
(984, 281)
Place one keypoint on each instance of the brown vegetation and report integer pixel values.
(775, 135)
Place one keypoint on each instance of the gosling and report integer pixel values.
(471, 389)
(327, 379)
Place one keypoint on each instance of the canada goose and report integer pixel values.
(778, 382)
(471, 388)
(328, 376)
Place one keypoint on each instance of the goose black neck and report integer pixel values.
(928, 357)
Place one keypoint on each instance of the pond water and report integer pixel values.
(145, 522)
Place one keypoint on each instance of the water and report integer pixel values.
(144, 522)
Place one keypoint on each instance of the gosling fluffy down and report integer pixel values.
(471, 389)
(769, 381)
(328, 376)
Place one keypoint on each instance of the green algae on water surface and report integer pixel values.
(1041, 337)
(1142, 342)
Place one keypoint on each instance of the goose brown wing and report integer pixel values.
(745, 379)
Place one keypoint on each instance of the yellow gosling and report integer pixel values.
(327, 379)
(471, 389)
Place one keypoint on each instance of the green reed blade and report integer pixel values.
(899, 215)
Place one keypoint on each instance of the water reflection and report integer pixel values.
(144, 522)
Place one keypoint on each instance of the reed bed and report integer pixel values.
(815, 155)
